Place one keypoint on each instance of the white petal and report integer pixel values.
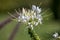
(23, 10)
(38, 10)
(33, 7)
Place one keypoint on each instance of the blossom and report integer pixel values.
(31, 17)
(36, 9)
(55, 35)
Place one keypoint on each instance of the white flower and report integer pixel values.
(30, 16)
(38, 10)
(55, 35)
(33, 7)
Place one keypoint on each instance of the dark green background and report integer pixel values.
(45, 31)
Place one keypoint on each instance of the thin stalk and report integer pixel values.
(14, 31)
(8, 20)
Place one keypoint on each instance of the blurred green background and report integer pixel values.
(6, 5)
(45, 31)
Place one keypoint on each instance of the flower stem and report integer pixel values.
(32, 34)
(14, 32)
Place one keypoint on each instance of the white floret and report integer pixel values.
(55, 35)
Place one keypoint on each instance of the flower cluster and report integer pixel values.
(56, 35)
(30, 16)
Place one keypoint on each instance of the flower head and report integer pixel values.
(31, 17)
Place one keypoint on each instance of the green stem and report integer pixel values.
(32, 34)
